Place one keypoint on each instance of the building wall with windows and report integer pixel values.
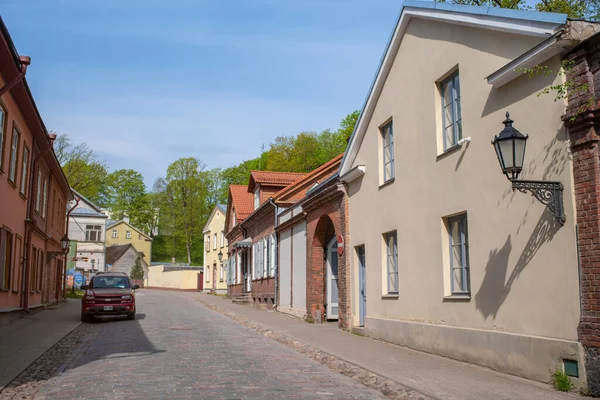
(87, 227)
(31, 275)
(122, 232)
(471, 269)
(215, 242)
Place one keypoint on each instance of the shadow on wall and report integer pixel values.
(513, 92)
(495, 288)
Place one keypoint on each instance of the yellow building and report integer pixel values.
(122, 232)
(215, 279)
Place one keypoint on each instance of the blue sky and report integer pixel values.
(145, 82)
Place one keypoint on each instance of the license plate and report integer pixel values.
(108, 308)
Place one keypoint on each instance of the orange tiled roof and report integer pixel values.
(272, 178)
(243, 202)
(305, 180)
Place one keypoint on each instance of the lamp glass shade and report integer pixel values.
(220, 255)
(64, 242)
(510, 147)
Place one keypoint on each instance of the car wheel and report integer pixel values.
(86, 317)
(131, 316)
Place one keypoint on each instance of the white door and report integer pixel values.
(332, 280)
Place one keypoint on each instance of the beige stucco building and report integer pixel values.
(122, 232)
(174, 277)
(453, 261)
(215, 242)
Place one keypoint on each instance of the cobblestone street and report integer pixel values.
(178, 349)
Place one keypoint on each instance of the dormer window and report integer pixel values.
(257, 198)
(234, 219)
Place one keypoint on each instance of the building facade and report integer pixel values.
(122, 258)
(87, 227)
(122, 233)
(310, 271)
(34, 194)
(215, 243)
(453, 261)
(252, 240)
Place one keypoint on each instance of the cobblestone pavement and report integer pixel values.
(178, 349)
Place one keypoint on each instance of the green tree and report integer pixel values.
(126, 197)
(82, 167)
(185, 202)
(347, 126)
(137, 271)
(573, 8)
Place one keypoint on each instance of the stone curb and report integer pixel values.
(370, 379)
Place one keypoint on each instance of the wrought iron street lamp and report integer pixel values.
(64, 245)
(220, 255)
(510, 147)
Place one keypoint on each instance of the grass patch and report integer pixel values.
(76, 294)
(561, 381)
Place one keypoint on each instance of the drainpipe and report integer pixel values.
(77, 199)
(25, 61)
(275, 260)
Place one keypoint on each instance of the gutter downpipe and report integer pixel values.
(275, 260)
(25, 61)
(64, 286)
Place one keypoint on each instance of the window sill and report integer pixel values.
(12, 183)
(390, 296)
(449, 151)
(22, 196)
(387, 183)
(458, 297)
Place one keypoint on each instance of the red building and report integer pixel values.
(33, 196)
(250, 225)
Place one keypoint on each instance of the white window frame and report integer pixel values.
(215, 241)
(452, 84)
(127, 234)
(38, 197)
(273, 257)
(45, 198)
(463, 246)
(391, 256)
(387, 140)
(115, 234)
(14, 155)
(257, 198)
(24, 170)
(93, 233)
(222, 238)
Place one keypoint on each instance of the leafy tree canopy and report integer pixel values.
(589, 9)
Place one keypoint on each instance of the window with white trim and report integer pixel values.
(215, 241)
(93, 233)
(222, 238)
(391, 255)
(38, 196)
(14, 154)
(459, 255)
(45, 198)
(256, 198)
(451, 111)
(127, 234)
(387, 139)
(115, 234)
(2, 135)
(24, 170)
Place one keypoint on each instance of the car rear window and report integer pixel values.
(110, 282)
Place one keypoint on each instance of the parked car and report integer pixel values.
(109, 293)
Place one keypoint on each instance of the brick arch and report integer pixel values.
(316, 288)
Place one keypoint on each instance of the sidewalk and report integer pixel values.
(25, 340)
(434, 376)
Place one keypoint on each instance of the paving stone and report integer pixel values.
(178, 349)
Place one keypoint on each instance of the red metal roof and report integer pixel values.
(242, 200)
(302, 185)
(272, 178)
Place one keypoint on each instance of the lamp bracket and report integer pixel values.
(52, 254)
(547, 192)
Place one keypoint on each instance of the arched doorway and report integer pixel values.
(320, 295)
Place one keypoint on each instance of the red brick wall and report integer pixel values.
(327, 217)
(583, 132)
(263, 291)
(234, 291)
